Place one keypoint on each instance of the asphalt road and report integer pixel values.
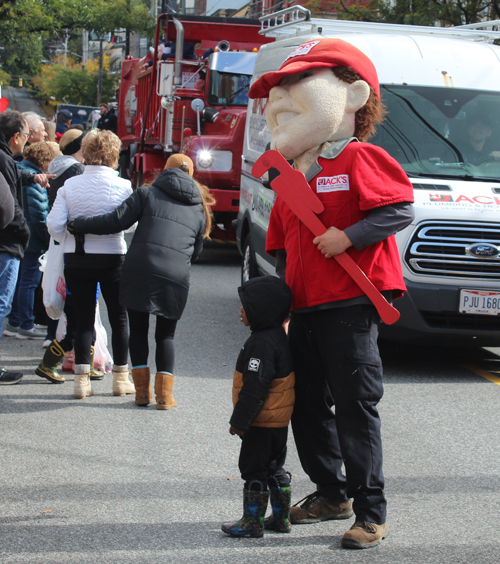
(20, 101)
(102, 481)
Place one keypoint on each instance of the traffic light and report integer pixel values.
(20, 83)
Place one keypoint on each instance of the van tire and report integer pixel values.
(249, 267)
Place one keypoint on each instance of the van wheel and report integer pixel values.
(248, 266)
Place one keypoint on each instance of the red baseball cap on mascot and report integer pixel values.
(315, 54)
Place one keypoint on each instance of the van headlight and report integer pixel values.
(215, 161)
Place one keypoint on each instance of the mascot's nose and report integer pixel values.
(276, 93)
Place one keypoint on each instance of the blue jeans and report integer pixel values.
(9, 269)
(30, 275)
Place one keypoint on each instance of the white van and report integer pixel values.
(441, 87)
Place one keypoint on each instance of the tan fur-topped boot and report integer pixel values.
(164, 384)
(82, 381)
(121, 384)
(141, 378)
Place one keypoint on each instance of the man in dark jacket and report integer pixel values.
(108, 119)
(263, 397)
(14, 132)
(7, 203)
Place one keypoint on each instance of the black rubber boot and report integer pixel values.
(281, 499)
(94, 373)
(47, 368)
(252, 522)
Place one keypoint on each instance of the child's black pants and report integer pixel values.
(263, 454)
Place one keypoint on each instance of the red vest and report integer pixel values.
(361, 178)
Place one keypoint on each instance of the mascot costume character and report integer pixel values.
(324, 102)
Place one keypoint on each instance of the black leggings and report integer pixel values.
(164, 337)
(82, 283)
(68, 341)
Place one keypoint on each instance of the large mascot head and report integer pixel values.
(325, 91)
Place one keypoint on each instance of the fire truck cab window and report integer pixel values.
(227, 89)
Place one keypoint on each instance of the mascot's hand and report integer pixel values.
(333, 242)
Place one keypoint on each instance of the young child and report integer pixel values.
(263, 397)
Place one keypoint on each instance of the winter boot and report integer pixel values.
(82, 381)
(94, 373)
(121, 384)
(68, 364)
(164, 384)
(47, 368)
(281, 499)
(252, 522)
(141, 378)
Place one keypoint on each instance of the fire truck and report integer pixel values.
(197, 105)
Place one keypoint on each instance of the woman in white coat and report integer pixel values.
(93, 259)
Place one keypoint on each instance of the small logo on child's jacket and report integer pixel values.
(332, 183)
(254, 364)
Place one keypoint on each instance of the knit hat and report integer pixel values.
(318, 53)
(71, 141)
(178, 161)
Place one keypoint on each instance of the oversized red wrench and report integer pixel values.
(292, 187)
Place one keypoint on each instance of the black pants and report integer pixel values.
(82, 283)
(164, 337)
(263, 455)
(337, 363)
(67, 342)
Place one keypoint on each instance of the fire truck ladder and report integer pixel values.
(297, 20)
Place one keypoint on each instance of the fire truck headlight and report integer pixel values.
(215, 161)
(204, 159)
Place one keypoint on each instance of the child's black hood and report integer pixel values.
(266, 300)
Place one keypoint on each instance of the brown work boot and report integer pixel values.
(365, 535)
(317, 508)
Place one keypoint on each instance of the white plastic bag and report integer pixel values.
(102, 358)
(53, 283)
(61, 328)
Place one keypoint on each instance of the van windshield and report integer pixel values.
(442, 132)
(228, 89)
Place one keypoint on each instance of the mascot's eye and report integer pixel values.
(294, 78)
(304, 75)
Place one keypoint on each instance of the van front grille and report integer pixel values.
(439, 249)
(470, 322)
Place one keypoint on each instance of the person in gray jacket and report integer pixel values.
(67, 165)
(174, 217)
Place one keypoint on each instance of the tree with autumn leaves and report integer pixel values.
(410, 12)
(26, 26)
(70, 82)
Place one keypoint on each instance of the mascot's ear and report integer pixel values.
(358, 94)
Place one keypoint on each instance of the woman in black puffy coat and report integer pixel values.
(174, 217)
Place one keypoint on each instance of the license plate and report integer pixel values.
(479, 302)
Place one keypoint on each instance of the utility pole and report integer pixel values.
(99, 78)
(85, 47)
(66, 37)
(127, 33)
